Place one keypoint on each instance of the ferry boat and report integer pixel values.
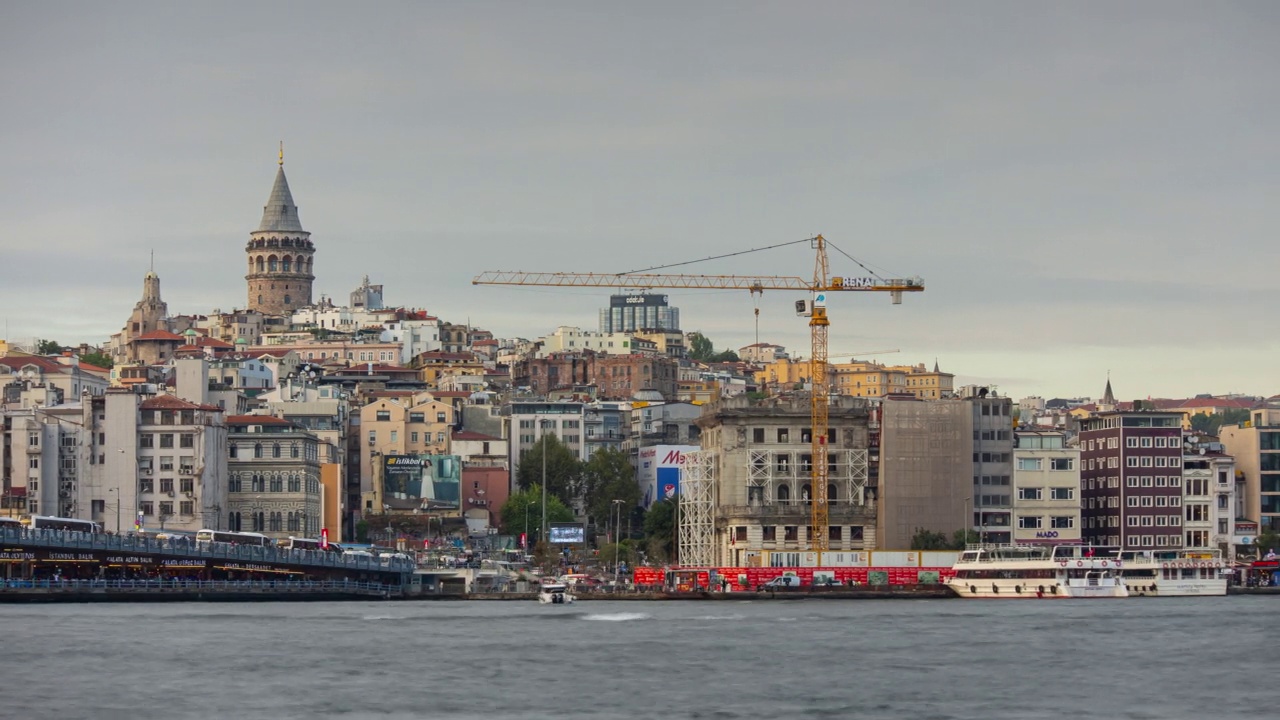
(1038, 572)
(555, 594)
(1174, 573)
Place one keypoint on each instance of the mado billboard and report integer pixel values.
(659, 471)
(421, 482)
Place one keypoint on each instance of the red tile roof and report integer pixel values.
(470, 435)
(17, 362)
(172, 402)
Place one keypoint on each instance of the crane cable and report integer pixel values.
(716, 257)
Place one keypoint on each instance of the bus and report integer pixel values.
(41, 522)
(206, 536)
(293, 543)
(11, 522)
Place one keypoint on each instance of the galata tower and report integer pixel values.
(280, 255)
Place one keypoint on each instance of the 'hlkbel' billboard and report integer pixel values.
(421, 482)
(659, 472)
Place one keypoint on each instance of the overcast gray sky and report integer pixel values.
(1083, 186)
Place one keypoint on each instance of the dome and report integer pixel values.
(647, 395)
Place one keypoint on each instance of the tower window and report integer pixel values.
(286, 299)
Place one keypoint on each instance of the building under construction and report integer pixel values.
(749, 489)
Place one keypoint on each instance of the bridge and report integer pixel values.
(36, 562)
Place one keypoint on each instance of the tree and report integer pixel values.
(962, 538)
(102, 360)
(522, 512)
(929, 540)
(564, 470)
(48, 347)
(613, 553)
(660, 530)
(606, 477)
(1211, 424)
(701, 349)
(1266, 541)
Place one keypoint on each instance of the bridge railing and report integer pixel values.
(174, 585)
(187, 548)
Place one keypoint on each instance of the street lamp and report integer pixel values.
(526, 526)
(542, 425)
(967, 525)
(617, 541)
(116, 491)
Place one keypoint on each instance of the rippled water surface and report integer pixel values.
(1163, 658)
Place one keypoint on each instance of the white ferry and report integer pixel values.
(1174, 573)
(1038, 572)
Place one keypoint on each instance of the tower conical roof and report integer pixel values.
(280, 214)
(1108, 398)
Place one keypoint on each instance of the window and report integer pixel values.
(441, 417)
(1062, 464)
(233, 485)
(1030, 522)
(757, 435)
(1062, 521)
(568, 438)
(257, 450)
(1132, 521)
(275, 450)
(146, 440)
(1147, 521)
(1028, 493)
(1131, 442)
(1030, 463)
(395, 435)
(1062, 493)
(790, 533)
(166, 509)
(1146, 481)
(740, 533)
(413, 438)
(1147, 501)
(1145, 442)
(187, 507)
(187, 485)
(784, 435)
(295, 484)
(166, 440)
(231, 449)
(1131, 481)
(277, 484)
(187, 440)
(1131, 501)
(417, 417)
(1146, 461)
(373, 436)
(1131, 461)
(293, 450)
(383, 416)
(166, 463)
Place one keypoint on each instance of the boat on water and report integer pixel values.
(1174, 573)
(555, 594)
(1031, 572)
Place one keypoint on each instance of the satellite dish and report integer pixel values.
(1201, 451)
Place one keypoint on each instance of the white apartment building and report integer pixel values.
(1046, 488)
(572, 339)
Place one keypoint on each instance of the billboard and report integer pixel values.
(567, 533)
(421, 482)
(659, 470)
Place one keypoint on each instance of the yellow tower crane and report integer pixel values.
(814, 308)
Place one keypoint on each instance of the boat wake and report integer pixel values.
(618, 617)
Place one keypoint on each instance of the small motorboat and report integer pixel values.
(555, 594)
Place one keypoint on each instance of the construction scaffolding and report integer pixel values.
(697, 508)
(768, 469)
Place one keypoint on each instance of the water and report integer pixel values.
(936, 659)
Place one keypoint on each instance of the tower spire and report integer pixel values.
(281, 162)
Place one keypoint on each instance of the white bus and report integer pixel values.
(41, 522)
(204, 537)
(293, 543)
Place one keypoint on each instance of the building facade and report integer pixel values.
(1046, 489)
(632, 313)
(1131, 479)
(757, 459)
(274, 478)
(1255, 445)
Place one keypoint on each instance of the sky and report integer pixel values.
(1087, 189)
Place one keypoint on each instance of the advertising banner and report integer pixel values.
(421, 482)
(659, 470)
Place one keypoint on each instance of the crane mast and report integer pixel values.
(819, 403)
(822, 283)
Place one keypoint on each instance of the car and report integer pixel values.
(782, 582)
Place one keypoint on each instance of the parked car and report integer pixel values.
(782, 582)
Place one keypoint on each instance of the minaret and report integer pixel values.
(280, 254)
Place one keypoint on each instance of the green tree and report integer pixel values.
(929, 540)
(1266, 541)
(700, 348)
(606, 477)
(523, 510)
(102, 360)
(660, 531)
(563, 469)
(48, 347)
(961, 538)
(612, 553)
(1211, 424)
